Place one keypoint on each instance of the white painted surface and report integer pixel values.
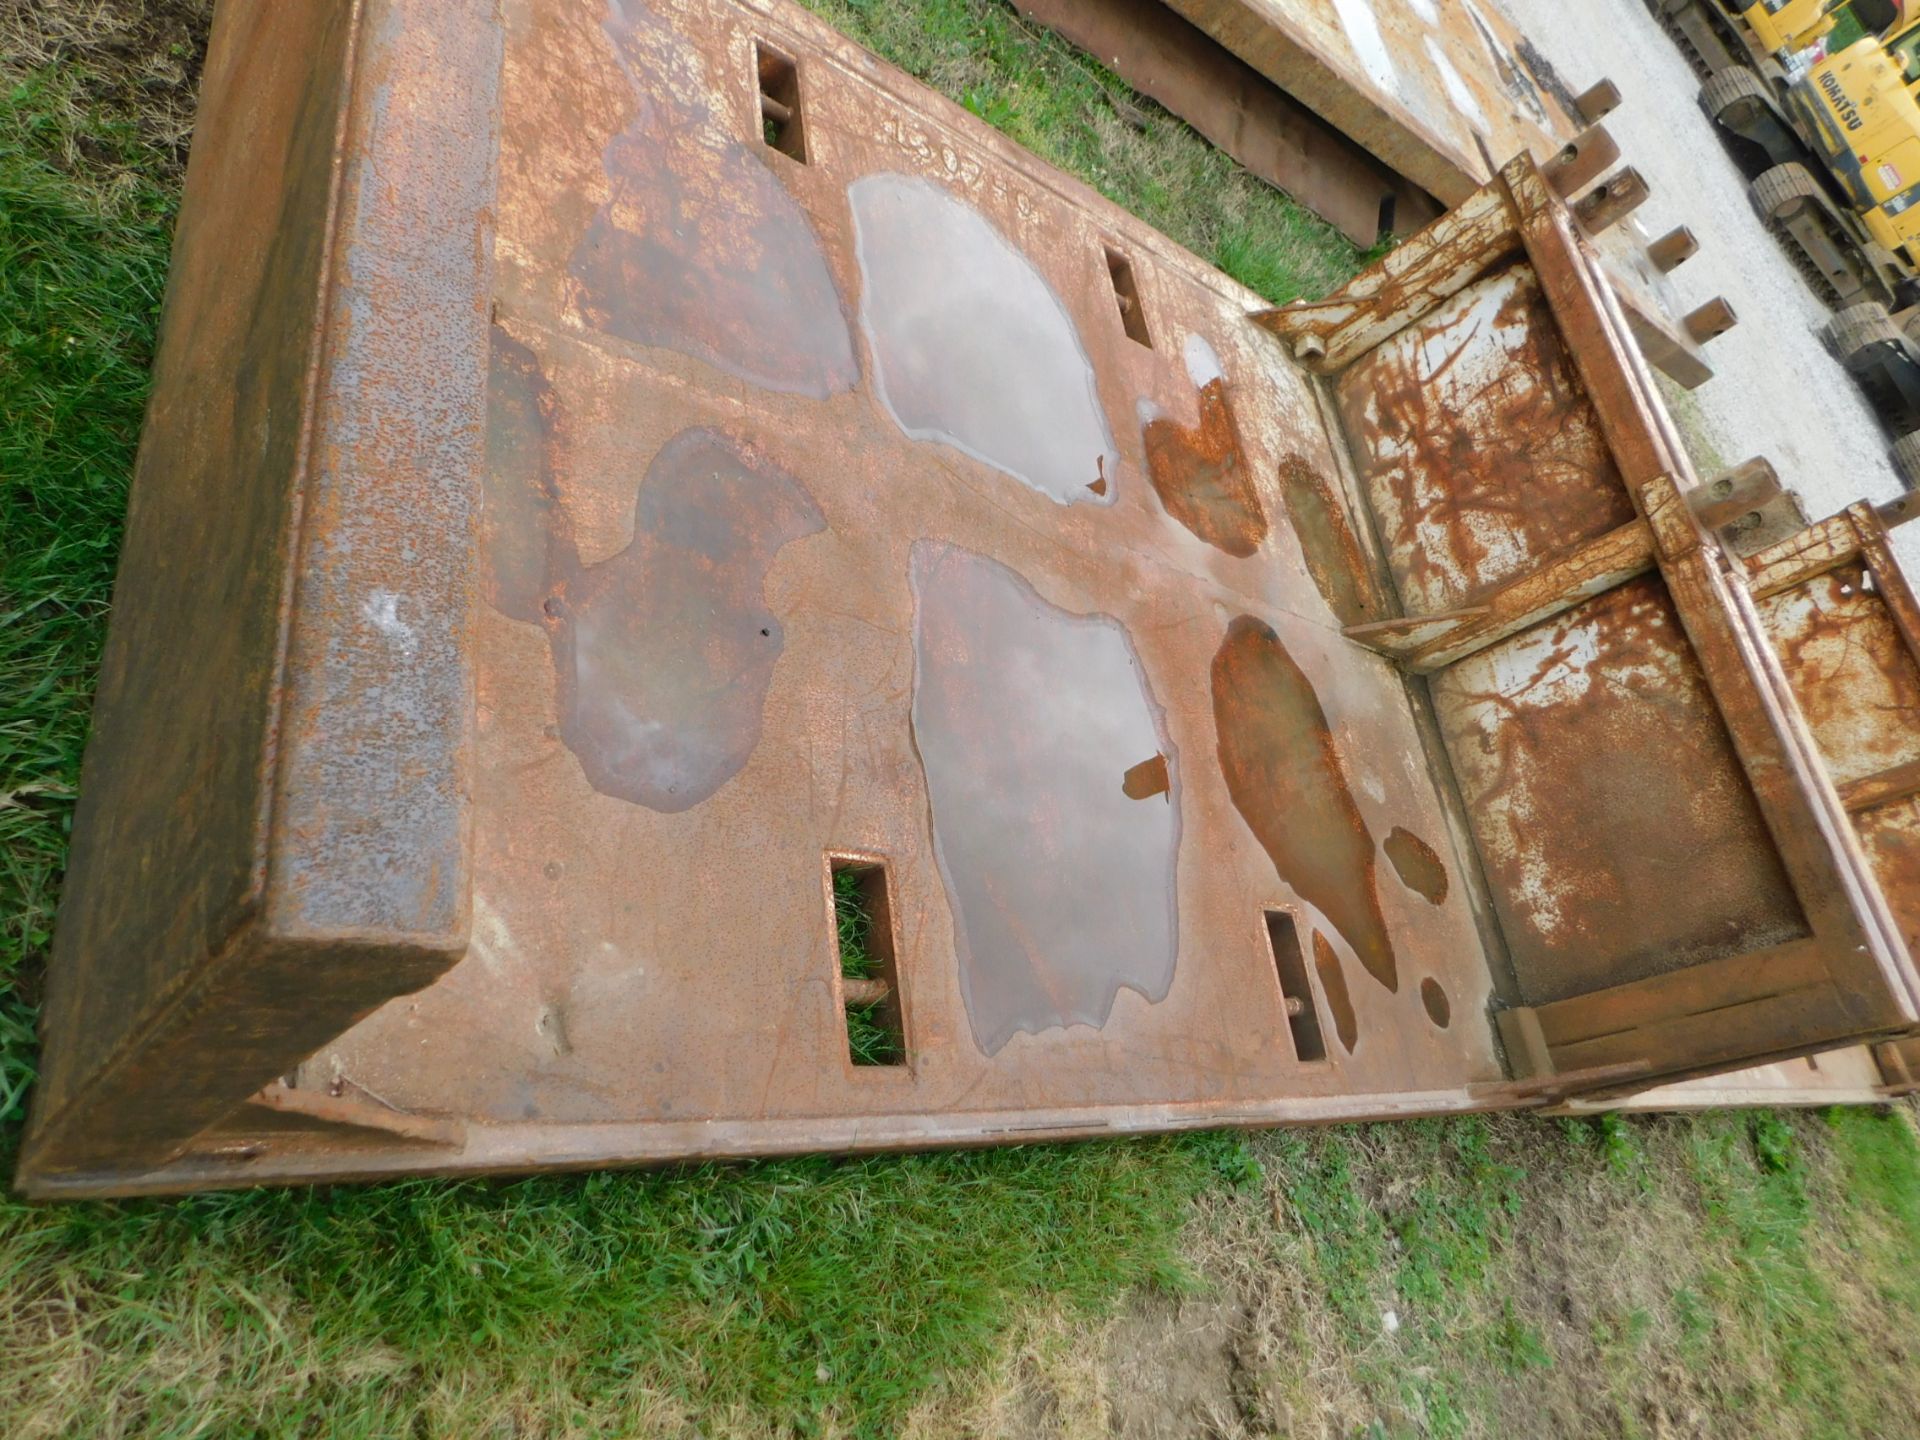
(1458, 94)
(1203, 365)
(1363, 33)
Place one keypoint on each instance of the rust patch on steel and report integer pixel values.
(1284, 775)
(1147, 779)
(1891, 837)
(1439, 1008)
(1619, 834)
(1851, 671)
(1333, 984)
(1027, 719)
(1328, 544)
(699, 248)
(1417, 864)
(1200, 474)
(1477, 446)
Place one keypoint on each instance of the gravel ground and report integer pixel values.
(1776, 392)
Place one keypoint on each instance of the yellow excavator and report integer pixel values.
(1775, 83)
(1820, 100)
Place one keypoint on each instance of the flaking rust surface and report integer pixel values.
(1593, 762)
(1855, 678)
(1077, 900)
(1891, 836)
(1478, 450)
(1851, 671)
(1597, 774)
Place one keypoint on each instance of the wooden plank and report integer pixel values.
(1872, 791)
(1795, 1022)
(1592, 568)
(1795, 965)
(1243, 112)
(1274, 45)
(1823, 546)
(1328, 335)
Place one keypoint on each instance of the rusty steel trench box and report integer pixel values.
(621, 475)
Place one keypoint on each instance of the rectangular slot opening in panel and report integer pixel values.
(781, 125)
(869, 976)
(1290, 964)
(1127, 295)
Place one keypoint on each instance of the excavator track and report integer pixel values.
(1905, 455)
(1796, 208)
(1858, 326)
(1664, 11)
(1726, 94)
(1818, 229)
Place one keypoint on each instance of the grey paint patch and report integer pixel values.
(1027, 719)
(664, 652)
(970, 345)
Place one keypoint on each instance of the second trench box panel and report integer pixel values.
(1588, 748)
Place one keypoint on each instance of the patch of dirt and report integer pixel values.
(136, 61)
(1171, 1368)
(1256, 1354)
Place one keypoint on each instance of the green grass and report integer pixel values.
(1742, 1275)
(1070, 111)
(81, 273)
(1751, 1275)
(805, 1294)
(869, 1040)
